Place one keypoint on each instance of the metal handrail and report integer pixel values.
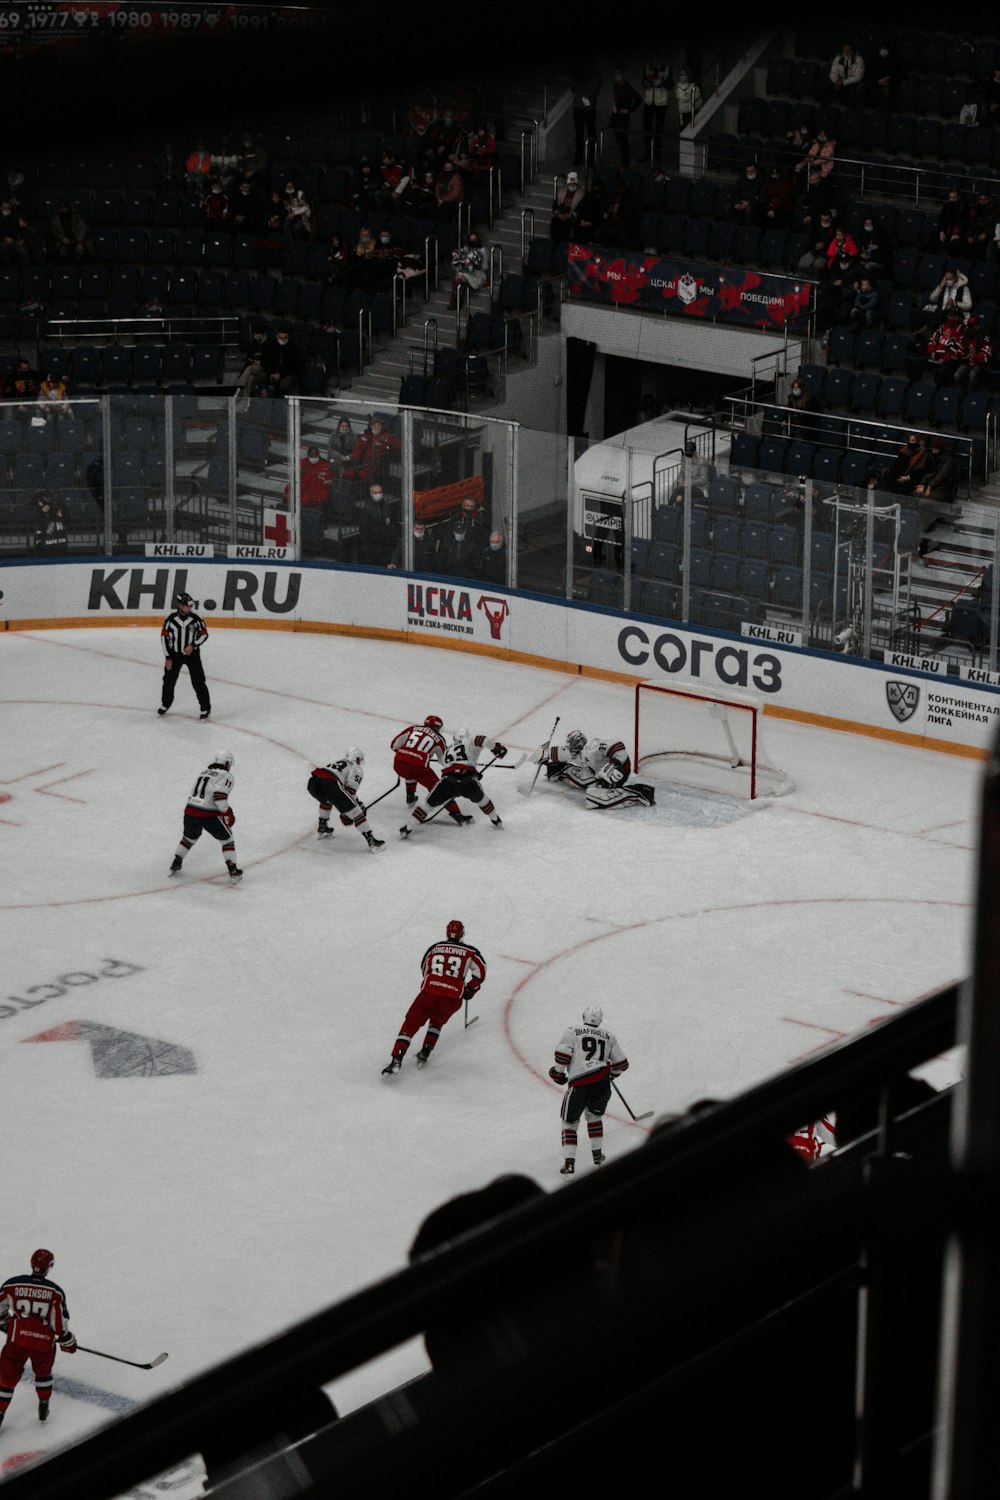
(364, 338)
(496, 274)
(527, 232)
(398, 302)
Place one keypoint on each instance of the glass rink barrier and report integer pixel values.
(674, 529)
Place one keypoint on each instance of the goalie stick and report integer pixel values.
(545, 751)
(118, 1360)
(648, 1115)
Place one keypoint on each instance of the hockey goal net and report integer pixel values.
(705, 738)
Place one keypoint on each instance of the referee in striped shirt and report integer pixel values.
(184, 634)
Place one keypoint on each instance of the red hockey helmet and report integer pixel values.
(456, 931)
(41, 1261)
(433, 722)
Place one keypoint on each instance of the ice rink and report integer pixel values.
(200, 1120)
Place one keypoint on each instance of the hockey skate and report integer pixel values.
(160, 712)
(462, 819)
(568, 1167)
(324, 831)
(176, 865)
(373, 842)
(599, 1158)
(392, 1067)
(423, 1057)
(235, 873)
(405, 832)
(411, 799)
(497, 821)
(204, 713)
(43, 1411)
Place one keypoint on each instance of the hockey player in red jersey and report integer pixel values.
(35, 1318)
(414, 748)
(208, 811)
(460, 777)
(588, 1057)
(336, 786)
(453, 971)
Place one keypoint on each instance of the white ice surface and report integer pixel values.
(203, 1212)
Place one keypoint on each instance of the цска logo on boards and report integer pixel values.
(903, 698)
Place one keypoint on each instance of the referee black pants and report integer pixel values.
(171, 672)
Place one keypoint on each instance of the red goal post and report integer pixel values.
(707, 738)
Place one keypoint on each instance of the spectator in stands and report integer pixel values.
(253, 379)
(866, 309)
(298, 223)
(493, 560)
(393, 180)
(951, 291)
(362, 268)
(819, 159)
(885, 73)
(776, 199)
(341, 447)
(847, 75)
(908, 467)
(981, 225)
(562, 225)
(874, 250)
(315, 478)
(70, 234)
(945, 348)
(283, 362)
(701, 476)
(449, 190)
(482, 149)
(420, 197)
(378, 527)
(802, 421)
(977, 355)
(215, 207)
(624, 102)
(247, 208)
(53, 396)
(198, 168)
(617, 222)
(425, 550)
(459, 553)
(388, 259)
(14, 248)
(572, 193)
(936, 487)
(748, 195)
(225, 163)
(585, 92)
(840, 245)
(24, 386)
(953, 221)
(468, 263)
(442, 140)
(370, 459)
(364, 190)
(338, 258)
(251, 159)
(657, 81)
(815, 259)
(689, 99)
(49, 525)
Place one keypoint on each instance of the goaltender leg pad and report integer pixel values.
(636, 793)
(579, 776)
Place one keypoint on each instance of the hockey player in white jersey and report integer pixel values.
(335, 785)
(208, 811)
(588, 1057)
(598, 766)
(460, 777)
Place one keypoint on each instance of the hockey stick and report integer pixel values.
(118, 1360)
(395, 784)
(545, 751)
(444, 804)
(512, 765)
(649, 1112)
(469, 1023)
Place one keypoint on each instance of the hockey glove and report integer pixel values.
(470, 989)
(67, 1343)
(499, 750)
(557, 1075)
(229, 817)
(611, 775)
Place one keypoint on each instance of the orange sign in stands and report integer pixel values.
(429, 505)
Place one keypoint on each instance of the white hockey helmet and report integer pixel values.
(593, 1015)
(355, 755)
(460, 737)
(224, 758)
(575, 741)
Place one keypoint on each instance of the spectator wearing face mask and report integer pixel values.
(468, 267)
(803, 416)
(315, 478)
(424, 550)
(215, 207)
(378, 527)
(493, 560)
(283, 363)
(460, 556)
